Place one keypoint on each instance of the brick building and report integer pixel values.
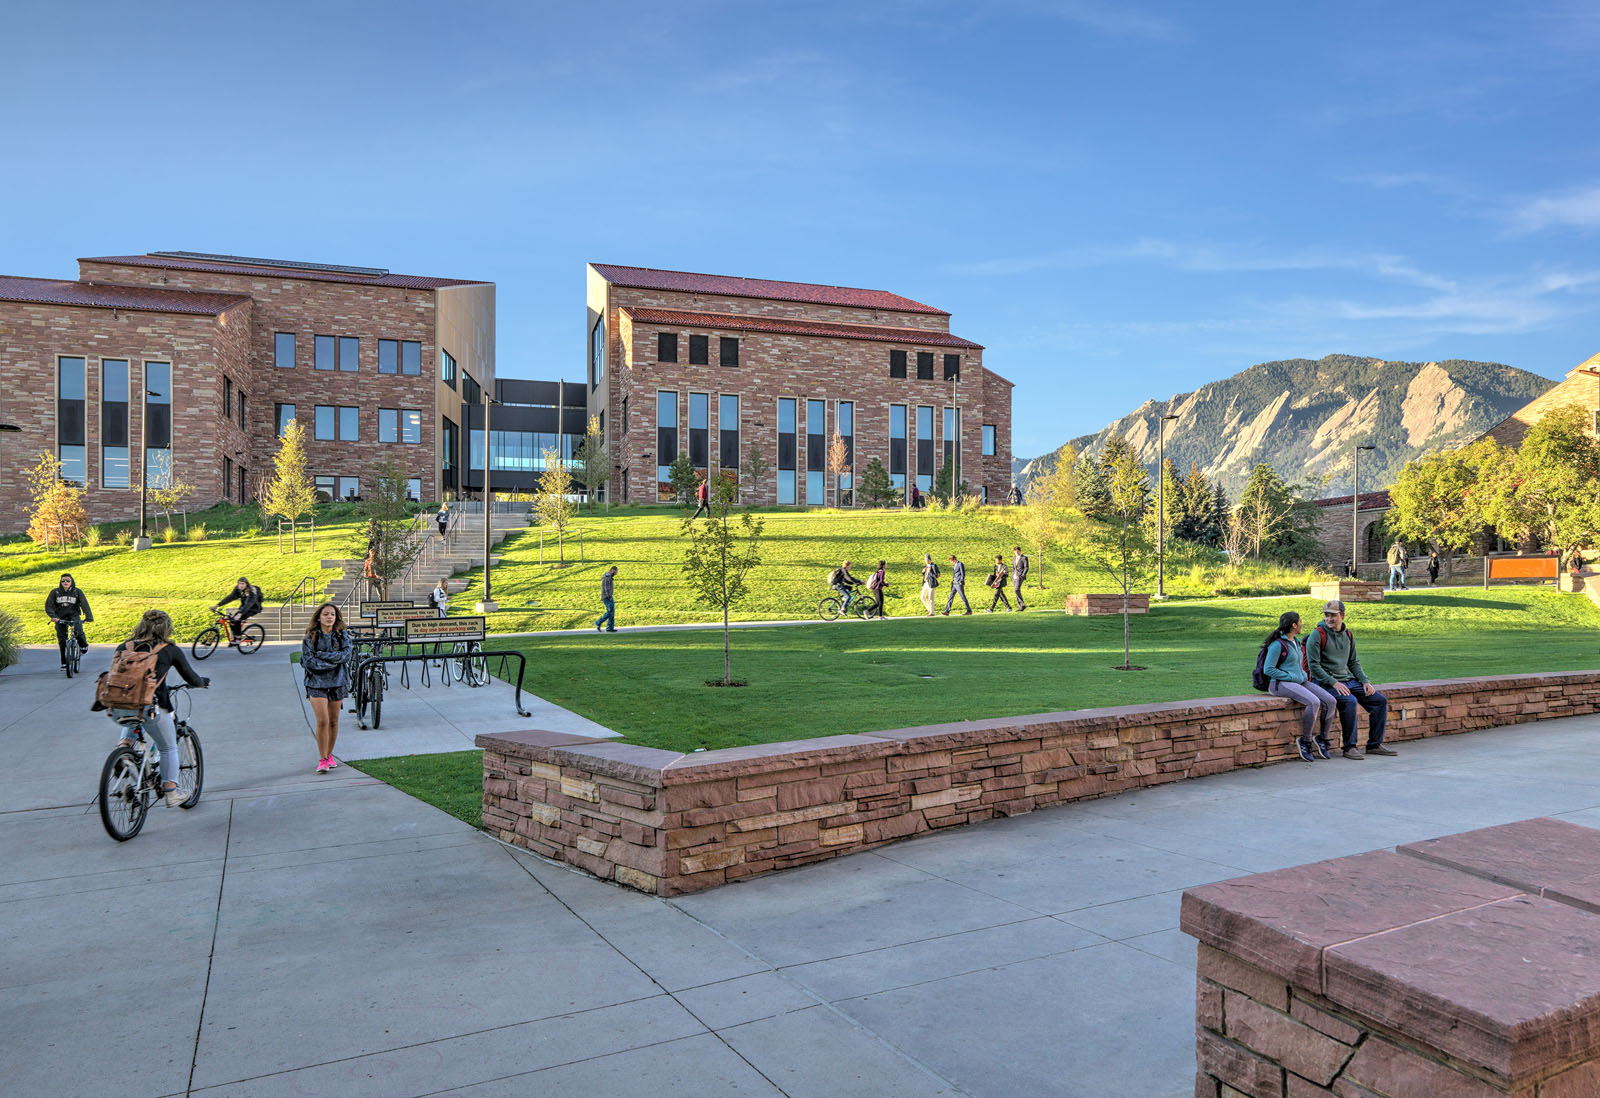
(195, 361)
(1581, 386)
(712, 364)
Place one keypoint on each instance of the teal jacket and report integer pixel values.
(1284, 667)
(1334, 659)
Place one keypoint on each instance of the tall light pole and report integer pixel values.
(488, 604)
(1355, 515)
(1161, 505)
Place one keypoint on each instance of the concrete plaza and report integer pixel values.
(304, 934)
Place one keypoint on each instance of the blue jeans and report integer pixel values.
(1397, 577)
(158, 727)
(1377, 707)
(609, 618)
(849, 594)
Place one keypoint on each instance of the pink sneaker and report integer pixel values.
(332, 762)
(323, 765)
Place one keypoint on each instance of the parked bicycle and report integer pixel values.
(130, 780)
(251, 637)
(468, 664)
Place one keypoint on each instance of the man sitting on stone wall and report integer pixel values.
(1331, 659)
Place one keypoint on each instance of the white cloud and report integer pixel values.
(1578, 208)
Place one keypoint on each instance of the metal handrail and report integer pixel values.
(300, 597)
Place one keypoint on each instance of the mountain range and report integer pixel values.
(1304, 416)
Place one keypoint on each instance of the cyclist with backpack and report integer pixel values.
(249, 599)
(1331, 659)
(843, 582)
(64, 604)
(137, 683)
(1281, 671)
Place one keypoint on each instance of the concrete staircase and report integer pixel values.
(461, 552)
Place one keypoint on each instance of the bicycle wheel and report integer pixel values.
(205, 643)
(122, 802)
(71, 656)
(74, 658)
(191, 766)
(250, 638)
(375, 692)
(828, 609)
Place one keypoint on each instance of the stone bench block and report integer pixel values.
(1100, 605)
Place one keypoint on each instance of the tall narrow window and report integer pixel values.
(71, 420)
(349, 424)
(158, 424)
(227, 478)
(952, 367)
(845, 426)
(699, 350)
(897, 364)
(282, 414)
(388, 425)
(667, 347)
(326, 352)
(449, 451)
(597, 352)
(951, 433)
(988, 440)
(410, 426)
(786, 449)
(624, 415)
(244, 476)
(414, 490)
(699, 432)
(816, 452)
(227, 397)
(113, 423)
(924, 448)
(897, 446)
(728, 351)
(242, 414)
(447, 367)
(349, 353)
(666, 442)
(411, 357)
(924, 365)
(388, 356)
(283, 350)
(728, 432)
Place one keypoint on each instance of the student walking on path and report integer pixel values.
(997, 580)
(702, 495)
(930, 581)
(1331, 660)
(1397, 566)
(1433, 567)
(958, 586)
(876, 583)
(443, 518)
(1284, 664)
(608, 598)
(439, 597)
(1019, 572)
(325, 656)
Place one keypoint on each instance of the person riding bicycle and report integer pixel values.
(249, 597)
(154, 634)
(63, 604)
(843, 582)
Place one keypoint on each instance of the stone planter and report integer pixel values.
(1099, 605)
(1348, 590)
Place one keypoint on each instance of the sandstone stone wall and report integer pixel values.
(671, 823)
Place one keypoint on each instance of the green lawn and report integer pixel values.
(452, 782)
(864, 676)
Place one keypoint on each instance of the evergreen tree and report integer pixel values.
(684, 480)
(876, 489)
(941, 485)
(1093, 497)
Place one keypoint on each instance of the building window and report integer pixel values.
(786, 449)
(349, 424)
(897, 364)
(983, 493)
(283, 350)
(952, 367)
(322, 429)
(326, 487)
(411, 358)
(699, 431)
(244, 475)
(227, 397)
(158, 424)
(470, 391)
(666, 442)
(699, 350)
(924, 447)
(349, 353)
(597, 351)
(447, 368)
(71, 417)
(281, 415)
(388, 425)
(449, 448)
(327, 350)
(897, 446)
(414, 490)
(952, 431)
(924, 365)
(410, 426)
(113, 423)
(988, 440)
(242, 426)
(845, 427)
(624, 415)
(816, 452)
(388, 356)
(728, 351)
(349, 488)
(227, 478)
(667, 347)
(728, 432)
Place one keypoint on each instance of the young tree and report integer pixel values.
(56, 515)
(718, 558)
(1433, 499)
(684, 480)
(838, 466)
(755, 466)
(876, 489)
(943, 490)
(1120, 546)
(556, 505)
(388, 530)
(1276, 521)
(1050, 494)
(594, 461)
(1093, 498)
(290, 492)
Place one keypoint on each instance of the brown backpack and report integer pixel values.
(131, 682)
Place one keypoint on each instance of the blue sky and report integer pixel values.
(1120, 201)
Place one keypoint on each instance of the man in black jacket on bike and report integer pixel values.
(249, 597)
(64, 604)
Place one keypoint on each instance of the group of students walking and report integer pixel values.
(998, 578)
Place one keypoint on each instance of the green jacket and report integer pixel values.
(1333, 660)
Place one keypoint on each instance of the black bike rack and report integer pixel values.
(424, 658)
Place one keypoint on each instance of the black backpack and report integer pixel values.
(835, 577)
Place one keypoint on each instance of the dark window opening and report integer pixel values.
(924, 365)
(728, 349)
(952, 367)
(699, 350)
(667, 347)
(897, 364)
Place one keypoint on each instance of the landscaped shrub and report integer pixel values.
(124, 537)
(170, 535)
(10, 639)
(93, 536)
(197, 532)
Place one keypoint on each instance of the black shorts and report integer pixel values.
(332, 693)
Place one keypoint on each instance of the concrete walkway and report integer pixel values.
(298, 934)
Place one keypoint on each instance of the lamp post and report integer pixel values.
(1161, 505)
(1355, 515)
(488, 604)
(143, 540)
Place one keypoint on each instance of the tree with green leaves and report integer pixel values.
(755, 466)
(289, 493)
(1545, 491)
(942, 489)
(554, 501)
(1170, 505)
(718, 557)
(1275, 520)
(388, 534)
(876, 489)
(594, 461)
(683, 478)
(1435, 498)
(56, 515)
(1050, 494)
(1120, 545)
(1093, 498)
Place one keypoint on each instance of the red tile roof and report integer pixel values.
(148, 299)
(912, 337)
(243, 267)
(645, 278)
(1368, 500)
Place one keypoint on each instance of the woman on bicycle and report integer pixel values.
(154, 633)
(325, 657)
(249, 598)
